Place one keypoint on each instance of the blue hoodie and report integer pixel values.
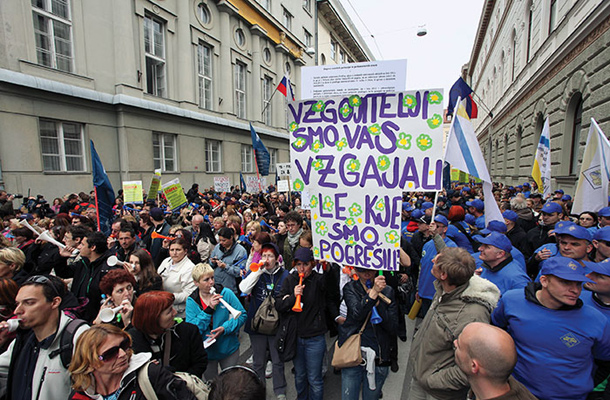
(425, 287)
(555, 348)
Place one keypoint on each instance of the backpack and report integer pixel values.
(267, 319)
(66, 342)
(199, 388)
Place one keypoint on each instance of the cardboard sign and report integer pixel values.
(174, 194)
(254, 184)
(356, 155)
(222, 184)
(283, 169)
(155, 183)
(132, 192)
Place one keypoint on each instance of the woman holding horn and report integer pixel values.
(315, 300)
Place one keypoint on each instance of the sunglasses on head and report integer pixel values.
(112, 352)
(44, 281)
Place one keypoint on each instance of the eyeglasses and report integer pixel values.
(43, 280)
(585, 219)
(112, 352)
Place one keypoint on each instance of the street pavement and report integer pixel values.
(396, 385)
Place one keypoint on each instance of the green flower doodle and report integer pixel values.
(409, 101)
(317, 164)
(293, 126)
(391, 236)
(316, 252)
(424, 142)
(321, 228)
(299, 143)
(355, 100)
(317, 146)
(375, 129)
(380, 205)
(345, 110)
(318, 107)
(350, 222)
(313, 202)
(435, 121)
(355, 210)
(328, 204)
(298, 185)
(340, 144)
(353, 165)
(404, 141)
(435, 97)
(350, 241)
(383, 163)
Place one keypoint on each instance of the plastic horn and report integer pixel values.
(73, 214)
(25, 223)
(107, 314)
(263, 223)
(297, 303)
(46, 236)
(375, 317)
(113, 260)
(254, 267)
(234, 313)
(155, 235)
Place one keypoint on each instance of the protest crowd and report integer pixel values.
(156, 306)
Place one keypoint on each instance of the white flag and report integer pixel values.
(541, 172)
(464, 153)
(592, 189)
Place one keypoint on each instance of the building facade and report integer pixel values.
(537, 58)
(156, 84)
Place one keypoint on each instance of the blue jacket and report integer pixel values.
(555, 348)
(587, 298)
(480, 222)
(267, 284)
(235, 258)
(459, 238)
(425, 287)
(209, 319)
(514, 252)
(506, 276)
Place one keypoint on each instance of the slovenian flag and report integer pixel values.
(285, 86)
(460, 89)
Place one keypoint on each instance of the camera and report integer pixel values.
(17, 196)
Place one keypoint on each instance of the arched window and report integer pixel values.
(505, 161)
(575, 120)
(513, 54)
(530, 26)
(517, 162)
(539, 126)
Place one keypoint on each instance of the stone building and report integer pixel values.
(169, 84)
(537, 58)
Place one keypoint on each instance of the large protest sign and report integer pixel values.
(132, 192)
(356, 155)
(174, 194)
(155, 183)
(222, 184)
(254, 184)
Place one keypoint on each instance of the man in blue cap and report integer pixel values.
(604, 217)
(526, 190)
(558, 194)
(515, 233)
(557, 338)
(427, 207)
(407, 208)
(601, 244)
(498, 264)
(540, 235)
(476, 207)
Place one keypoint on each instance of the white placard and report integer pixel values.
(282, 186)
(222, 183)
(355, 78)
(252, 184)
(283, 169)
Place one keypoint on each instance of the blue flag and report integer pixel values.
(261, 154)
(461, 89)
(104, 194)
(242, 183)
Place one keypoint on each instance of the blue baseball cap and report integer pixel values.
(571, 229)
(426, 205)
(600, 267)
(441, 219)
(476, 203)
(604, 212)
(406, 206)
(566, 197)
(470, 219)
(565, 268)
(520, 186)
(417, 214)
(551, 207)
(303, 254)
(466, 189)
(494, 226)
(602, 234)
(510, 215)
(559, 191)
(498, 240)
(526, 184)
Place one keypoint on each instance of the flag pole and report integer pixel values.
(97, 208)
(256, 165)
(483, 104)
(269, 102)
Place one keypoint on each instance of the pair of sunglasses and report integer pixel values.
(112, 352)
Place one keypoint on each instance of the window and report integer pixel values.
(273, 154)
(240, 90)
(53, 33)
(204, 62)
(266, 4)
(204, 13)
(513, 70)
(62, 146)
(307, 37)
(333, 50)
(154, 46)
(287, 68)
(552, 16)
(247, 164)
(530, 22)
(267, 55)
(517, 161)
(267, 92)
(307, 5)
(342, 56)
(213, 156)
(575, 109)
(286, 19)
(322, 59)
(240, 38)
(164, 151)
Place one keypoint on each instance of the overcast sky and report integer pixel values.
(434, 60)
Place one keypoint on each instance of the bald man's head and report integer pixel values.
(486, 351)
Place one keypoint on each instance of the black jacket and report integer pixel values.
(186, 354)
(86, 284)
(518, 238)
(536, 237)
(359, 305)
(316, 299)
